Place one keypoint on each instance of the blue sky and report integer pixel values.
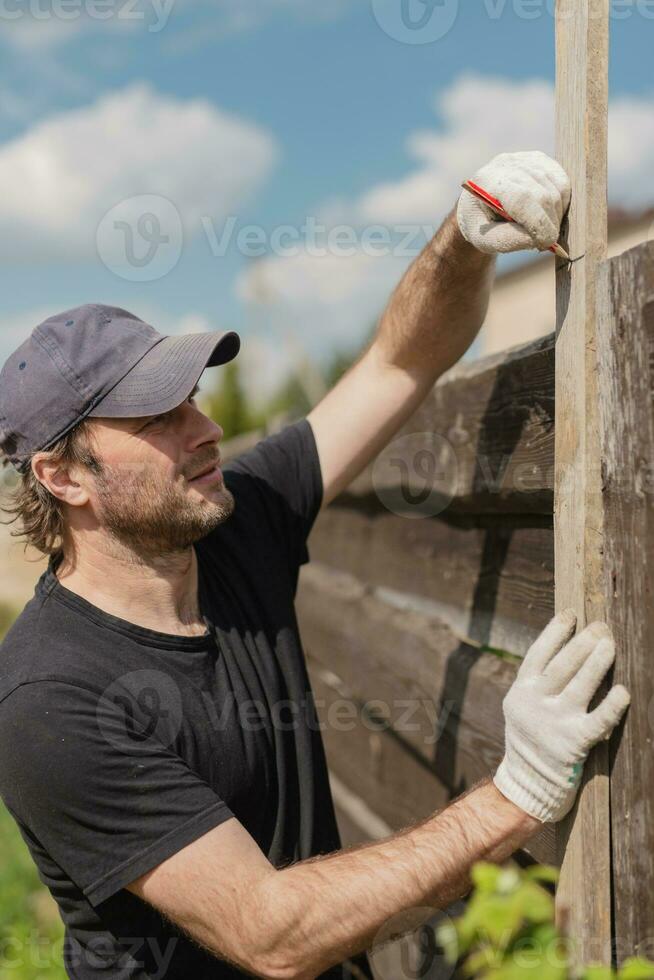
(269, 111)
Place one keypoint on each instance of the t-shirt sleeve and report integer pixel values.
(106, 805)
(282, 476)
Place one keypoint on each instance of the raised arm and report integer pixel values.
(435, 313)
(432, 318)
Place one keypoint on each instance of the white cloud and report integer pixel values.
(631, 151)
(319, 303)
(478, 117)
(32, 37)
(62, 176)
(216, 20)
(35, 29)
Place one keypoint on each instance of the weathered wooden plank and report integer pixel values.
(394, 782)
(481, 442)
(440, 699)
(626, 377)
(491, 580)
(582, 36)
(375, 765)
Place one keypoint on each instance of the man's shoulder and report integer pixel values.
(41, 645)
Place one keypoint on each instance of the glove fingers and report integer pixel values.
(567, 664)
(552, 202)
(600, 723)
(483, 229)
(557, 175)
(586, 681)
(504, 236)
(527, 201)
(534, 189)
(555, 635)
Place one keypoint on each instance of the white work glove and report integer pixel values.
(532, 188)
(549, 731)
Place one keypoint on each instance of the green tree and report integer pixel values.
(228, 405)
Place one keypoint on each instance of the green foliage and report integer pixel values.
(290, 399)
(31, 931)
(508, 931)
(502, 654)
(227, 405)
(7, 616)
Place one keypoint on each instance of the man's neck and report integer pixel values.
(159, 594)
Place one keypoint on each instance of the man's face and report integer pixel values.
(155, 484)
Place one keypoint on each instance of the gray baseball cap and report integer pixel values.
(101, 361)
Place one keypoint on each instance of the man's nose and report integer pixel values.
(200, 427)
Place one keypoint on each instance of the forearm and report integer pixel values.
(438, 307)
(331, 907)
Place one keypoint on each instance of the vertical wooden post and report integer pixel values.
(582, 34)
(626, 375)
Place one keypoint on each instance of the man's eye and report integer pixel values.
(153, 421)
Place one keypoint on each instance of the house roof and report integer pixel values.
(621, 221)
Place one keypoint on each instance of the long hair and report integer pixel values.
(38, 514)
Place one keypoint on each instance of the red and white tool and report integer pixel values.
(496, 206)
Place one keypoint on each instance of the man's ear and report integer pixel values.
(60, 479)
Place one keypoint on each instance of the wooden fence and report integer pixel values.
(420, 620)
(432, 574)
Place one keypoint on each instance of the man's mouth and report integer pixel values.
(210, 473)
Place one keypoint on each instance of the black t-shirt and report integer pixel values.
(121, 745)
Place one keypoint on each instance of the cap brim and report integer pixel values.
(166, 375)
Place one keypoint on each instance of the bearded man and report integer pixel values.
(159, 745)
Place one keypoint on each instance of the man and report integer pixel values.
(182, 822)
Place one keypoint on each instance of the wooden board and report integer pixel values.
(440, 699)
(376, 768)
(487, 429)
(582, 34)
(491, 580)
(626, 376)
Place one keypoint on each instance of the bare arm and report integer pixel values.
(295, 923)
(431, 320)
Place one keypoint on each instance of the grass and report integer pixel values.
(31, 930)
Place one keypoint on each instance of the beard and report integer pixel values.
(152, 516)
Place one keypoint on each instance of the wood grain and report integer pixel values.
(439, 700)
(491, 580)
(582, 35)
(481, 442)
(626, 378)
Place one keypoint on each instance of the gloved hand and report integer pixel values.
(533, 189)
(549, 731)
